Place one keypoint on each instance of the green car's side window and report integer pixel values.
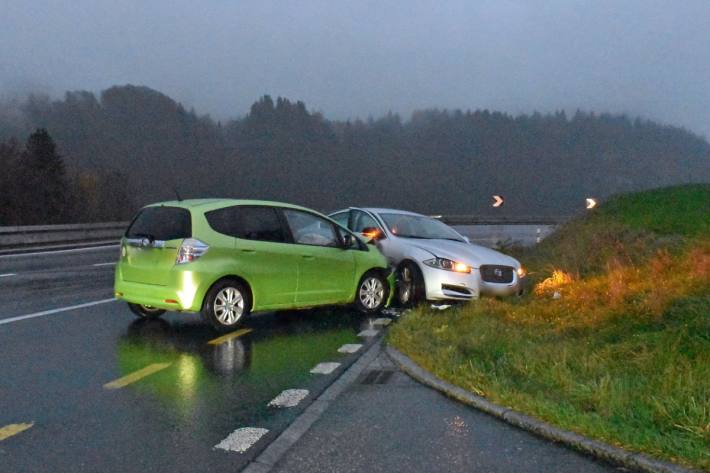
(248, 222)
(309, 229)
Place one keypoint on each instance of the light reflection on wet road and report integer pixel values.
(53, 372)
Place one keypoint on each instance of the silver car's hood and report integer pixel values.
(472, 255)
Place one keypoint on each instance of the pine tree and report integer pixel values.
(44, 184)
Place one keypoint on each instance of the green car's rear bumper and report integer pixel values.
(184, 291)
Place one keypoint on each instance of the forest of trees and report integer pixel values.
(134, 145)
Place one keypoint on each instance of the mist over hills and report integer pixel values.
(437, 161)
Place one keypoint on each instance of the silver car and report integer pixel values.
(432, 260)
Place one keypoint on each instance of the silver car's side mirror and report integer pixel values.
(372, 234)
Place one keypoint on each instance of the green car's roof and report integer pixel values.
(206, 205)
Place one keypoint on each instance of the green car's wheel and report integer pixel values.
(145, 311)
(227, 304)
(372, 292)
(410, 285)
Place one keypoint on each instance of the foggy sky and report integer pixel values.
(361, 58)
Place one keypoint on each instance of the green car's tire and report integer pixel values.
(226, 305)
(145, 311)
(410, 285)
(372, 293)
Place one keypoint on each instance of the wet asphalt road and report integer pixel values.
(53, 370)
(386, 422)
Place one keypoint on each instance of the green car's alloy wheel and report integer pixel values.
(371, 293)
(227, 303)
(145, 311)
(410, 285)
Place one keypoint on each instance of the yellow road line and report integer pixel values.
(13, 429)
(136, 376)
(229, 336)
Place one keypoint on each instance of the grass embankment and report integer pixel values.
(623, 355)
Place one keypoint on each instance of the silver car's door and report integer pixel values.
(387, 244)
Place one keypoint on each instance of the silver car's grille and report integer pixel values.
(497, 274)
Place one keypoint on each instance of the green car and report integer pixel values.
(227, 258)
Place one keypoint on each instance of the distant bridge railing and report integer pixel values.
(501, 232)
(497, 220)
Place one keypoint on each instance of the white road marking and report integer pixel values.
(289, 398)
(241, 439)
(104, 264)
(325, 368)
(7, 275)
(54, 311)
(382, 321)
(368, 333)
(54, 252)
(391, 312)
(350, 348)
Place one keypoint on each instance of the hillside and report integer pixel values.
(437, 161)
(613, 340)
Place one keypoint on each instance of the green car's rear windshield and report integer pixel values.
(161, 223)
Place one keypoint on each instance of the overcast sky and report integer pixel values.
(361, 58)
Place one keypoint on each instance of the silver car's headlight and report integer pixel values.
(448, 265)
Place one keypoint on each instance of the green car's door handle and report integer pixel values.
(248, 250)
(308, 256)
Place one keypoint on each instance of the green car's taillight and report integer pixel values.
(190, 250)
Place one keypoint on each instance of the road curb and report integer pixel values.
(595, 448)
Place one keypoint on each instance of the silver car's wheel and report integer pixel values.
(372, 292)
(410, 285)
(228, 305)
(406, 285)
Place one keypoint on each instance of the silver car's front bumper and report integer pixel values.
(515, 287)
(449, 285)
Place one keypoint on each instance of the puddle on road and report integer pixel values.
(221, 386)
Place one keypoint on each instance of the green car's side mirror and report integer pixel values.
(348, 241)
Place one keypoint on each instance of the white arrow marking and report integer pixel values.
(498, 201)
(591, 203)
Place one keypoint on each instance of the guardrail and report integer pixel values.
(490, 231)
(30, 236)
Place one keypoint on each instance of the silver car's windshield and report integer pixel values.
(418, 226)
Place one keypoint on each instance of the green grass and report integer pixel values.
(622, 356)
(680, 210)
